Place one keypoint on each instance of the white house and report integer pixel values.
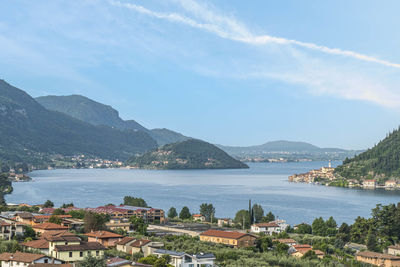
(182, 259)
(21, 259)
(267, 228)
(282, 224)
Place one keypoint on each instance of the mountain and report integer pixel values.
(288, 150)
(189, 154)
(28, 130)
(380, 162)
(95, 113)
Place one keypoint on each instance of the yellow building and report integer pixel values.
(378, 259)
(234, 239)
(72, 249)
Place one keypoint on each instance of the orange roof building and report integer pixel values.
(234, 239)
(45, 227)
(107, 239)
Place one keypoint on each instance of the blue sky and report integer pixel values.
(230, 72)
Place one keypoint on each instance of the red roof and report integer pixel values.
(103, 234)
(266, 225)
(140, 242)
(225, 234)
(20, 257)
(49, 226)
(39, 244)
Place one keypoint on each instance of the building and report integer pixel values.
(266, 228)
(370, 184)
(234, 239)
(182, 259)
(50, 265)
(10, 228)
(391, 184)
(42, 245)
(123, 224)
(288, 241)
(107, 239)
(199, 217)
(124, 244)
(21, 259)
(394, 250)
(300, 250)
(282, 224)
(42, 228)
(72, 249)
(378, 259)
(24, 217)
(224, 222)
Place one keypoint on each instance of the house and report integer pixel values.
(21, 259)
(288, 241)
(124, 244)
(394, 250)
(24, 217)
(42, 245)
(42, 228)
(282, 224)
(370, 183)
(267, 228)
(378, 259)
(199, 217)
(10, 228)
(234, 239)
(118, 262)
(140, 245)
(50, 265)
(391, 184)
(71, 249)
(300, 250)
(182, 259)
(224, 222)
(107, 239)
(123, 224)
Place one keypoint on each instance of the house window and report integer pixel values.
(46, 261)
(97, 253)
(81, 254)
(70, 254)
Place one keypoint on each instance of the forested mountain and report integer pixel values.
(382, 161)
(289, 150)
(189, 154)
(28, 130)
(95, 113)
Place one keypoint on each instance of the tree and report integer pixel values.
(268, 218)
(94, 221)
(185, 213)
(91, 261)
(29, 232)
(242, 218)
(207, 210)
(264, 243)
(136, 202)
(138, 224)
(372, 245)
(310, 255)
(344, 232)
(258, 213)
(64, 206)
(303, 228)
(48, 204)
(319, 227)
(172, 213)
(58, 212)
(331, 223)
(55, 219)
(282, 248)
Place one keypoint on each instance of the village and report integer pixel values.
(126, 235)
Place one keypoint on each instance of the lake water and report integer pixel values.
(228, 190)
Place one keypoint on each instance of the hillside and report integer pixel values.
(95, 113)
(28, 131)
(288, 150)
(189, 154)
(381, 162)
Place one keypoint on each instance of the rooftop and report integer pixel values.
(225, 234)
(20, 257)
(49, 226)
(103, 234)
(375, 255)
(81, 247)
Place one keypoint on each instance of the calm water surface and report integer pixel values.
(228, 190)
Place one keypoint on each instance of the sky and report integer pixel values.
(230, 72)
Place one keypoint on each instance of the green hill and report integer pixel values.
(381, 162)
(28, 131)
(189, 154)
(95, 113)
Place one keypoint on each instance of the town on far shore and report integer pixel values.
(327, 176)
(134, 234)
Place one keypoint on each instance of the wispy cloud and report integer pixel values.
(229, 28)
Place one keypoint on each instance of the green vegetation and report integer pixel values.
(381, 162)
(91, 261)
(172, 213)
(138, 225)
(208, 211)
(189, 154)
(136, 202)
(185, 213)
(95, 221)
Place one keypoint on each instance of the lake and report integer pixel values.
(228, 190)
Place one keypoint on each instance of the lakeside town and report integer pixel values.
(133, 234)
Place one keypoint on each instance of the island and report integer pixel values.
(189, 154)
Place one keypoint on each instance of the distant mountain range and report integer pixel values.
(28, 131)
(189, 154)
(90, 111)
(288, 150)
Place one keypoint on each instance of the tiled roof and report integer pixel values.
(140, 242)
(49, 226)
(319, 252)
(103, 234)
(25, 215)
(117, 262)
(50, 265)
(63, 239)
(394, 246)
(375, 255)
(125, 240)
(20, 257)
(285, 240)
(302, 246)
(271, 224)
(169, 252)
(82, 247)
(224, 234)
(49, 216)
(39, 244)
(54, 233)
(204, 256)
